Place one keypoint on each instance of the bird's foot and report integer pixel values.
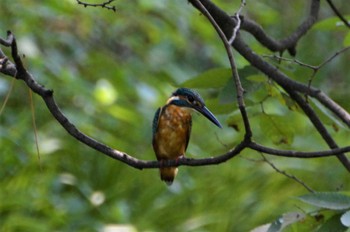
(179, 158)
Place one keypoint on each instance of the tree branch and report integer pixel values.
(105, 4)
(225, 27)
(226, 23)
(235, 75)
(289, 42)
(47, 95)
(297, 154)
(336, 11)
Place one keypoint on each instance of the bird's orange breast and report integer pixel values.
(173, 132)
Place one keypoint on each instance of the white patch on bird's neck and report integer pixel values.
(172, 98)
(185, 109)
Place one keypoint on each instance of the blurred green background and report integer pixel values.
(111, 71)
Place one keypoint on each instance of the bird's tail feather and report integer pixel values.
(168, 174)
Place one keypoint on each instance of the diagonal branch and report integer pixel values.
(235, 75)
(226, 23)
(291, 87)
(319, 126)
(288, 43)
(336, 11)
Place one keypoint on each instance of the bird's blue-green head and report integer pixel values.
(184, 97)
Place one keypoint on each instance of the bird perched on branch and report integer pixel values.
(172, 128)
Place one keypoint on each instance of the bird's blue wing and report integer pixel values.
(156, 121)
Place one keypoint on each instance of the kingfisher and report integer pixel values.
(172, 125)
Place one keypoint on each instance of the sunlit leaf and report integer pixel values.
(104, 92)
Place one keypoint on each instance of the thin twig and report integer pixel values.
(287, 175)
(314, 68)
(34, 126)
(7, 96)
(238, 23)
(290, 41)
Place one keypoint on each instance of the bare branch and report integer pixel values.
(289, 42)
(8, 41)
(47, 96)
(297, 154)
(105, 5)
(292, 87)
(225, 27)
(235, 75)
(315, 68)
(322, 130)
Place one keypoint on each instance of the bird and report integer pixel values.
(172, 125)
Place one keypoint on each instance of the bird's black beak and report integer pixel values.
(209, 115)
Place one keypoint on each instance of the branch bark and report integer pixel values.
(225, 26)
(226, 23)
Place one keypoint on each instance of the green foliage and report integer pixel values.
(214, 78)
(333, 215)
(110, 72)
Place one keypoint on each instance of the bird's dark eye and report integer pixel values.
(190, 98)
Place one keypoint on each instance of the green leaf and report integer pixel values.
(212, 78)
(220, 108)
(346, 41)
(249, 80)
(257, 78)
(276, 128)
(328, 200)
(228, 94)
(333, 224)
(332, 23)
(235, 119)
(345, 219)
